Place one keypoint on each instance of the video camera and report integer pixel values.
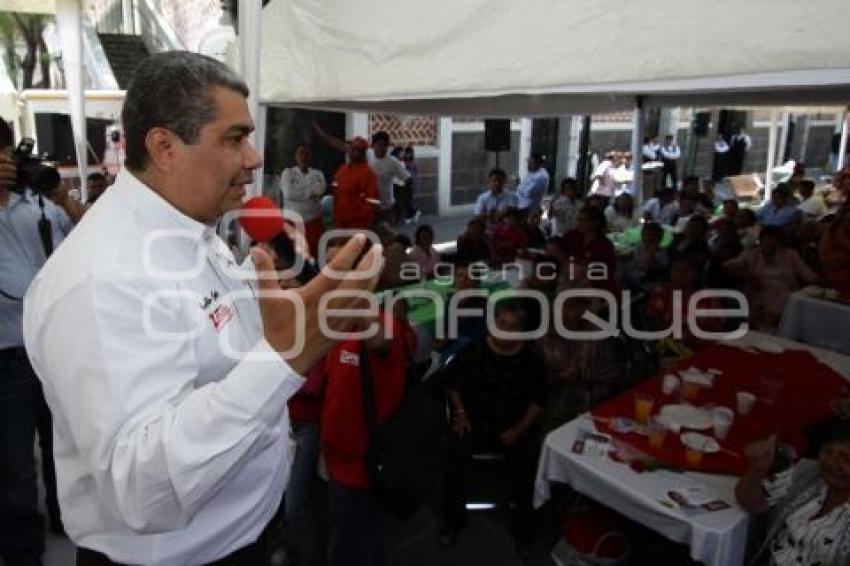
(32, 172)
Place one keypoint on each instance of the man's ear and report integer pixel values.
(162, 145)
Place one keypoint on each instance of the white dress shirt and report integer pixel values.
(603, 179)
(488, 203)
(171, 444)
(387, 169)
(302, 192)
(650, 151)
(671, 152)
(532, 188)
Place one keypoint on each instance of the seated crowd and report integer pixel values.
(504, 394)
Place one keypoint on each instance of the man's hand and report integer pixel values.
(760, 453)
(277, 307)
(510, 437)
(8, 171)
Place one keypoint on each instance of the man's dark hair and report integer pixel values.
(569, 182)
(783, 189)
(381, 136)
(498, 173)
(172, 90)
(96, 176)
(536, 156)
(807, 184)
(7, 136)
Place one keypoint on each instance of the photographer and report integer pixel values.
(30, 227)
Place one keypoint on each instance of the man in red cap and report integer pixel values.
(356, 194)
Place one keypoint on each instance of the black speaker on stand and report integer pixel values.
(497, 136)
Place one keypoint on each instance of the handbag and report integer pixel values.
(404, 452)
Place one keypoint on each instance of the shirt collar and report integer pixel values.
(157, 210)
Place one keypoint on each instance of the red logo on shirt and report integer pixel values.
(222, 315)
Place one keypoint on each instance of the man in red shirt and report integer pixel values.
(356, 195)
(356, 517)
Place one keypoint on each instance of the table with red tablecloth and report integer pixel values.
(718, 538)
(807, 387)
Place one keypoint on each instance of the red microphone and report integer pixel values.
(264, 223)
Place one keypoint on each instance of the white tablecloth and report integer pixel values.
(715, 538)
(810, 319)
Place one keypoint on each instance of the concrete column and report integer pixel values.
(771, 153)
(637, 144)
(444, 186)
(356, 124)
(565, 151)
(842, 148)
(524, 146)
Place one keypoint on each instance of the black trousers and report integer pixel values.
(23, 412)
(521, 462)
(670, 170)
(356, 523)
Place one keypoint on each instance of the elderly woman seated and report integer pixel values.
(809, 521)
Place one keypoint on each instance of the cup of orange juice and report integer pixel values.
(643, 406)
(657, 433)
(690, 391)
(693, 456)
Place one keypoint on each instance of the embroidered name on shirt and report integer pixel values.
(208, 300)
(349, 358)
(221, 316)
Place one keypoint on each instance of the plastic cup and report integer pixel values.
(690, 391)
(693, 457)
(643, 406)
(657, 434)
(746, 400)
(669, 384)
(722, 418)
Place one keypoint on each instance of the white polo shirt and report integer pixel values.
(171, 444)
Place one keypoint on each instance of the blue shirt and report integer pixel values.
(22, 255)
(488, 202)
(769, 215)
(532, 188)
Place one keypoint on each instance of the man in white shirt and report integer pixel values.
(494, 201)
(650, 149)
(167, 376)
(302, 189)
(721, 158)
(387, 168)
(670, 155)
(739, 146)
(812, 207)
(535, 184)
(604, 182)
(662, 208)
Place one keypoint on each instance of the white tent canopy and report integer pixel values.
(546, 57)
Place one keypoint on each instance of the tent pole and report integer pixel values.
(583, 150)
(250, 13)
(783, 139)
(842, 148)
(637, 142)
(771, 154)
(69, 22)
